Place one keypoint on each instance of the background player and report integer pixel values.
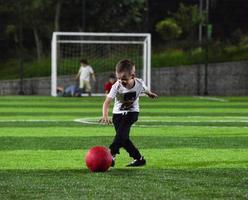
(84, 74)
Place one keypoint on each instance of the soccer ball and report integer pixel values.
(98, 159)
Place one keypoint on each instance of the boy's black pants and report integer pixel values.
(123, 123)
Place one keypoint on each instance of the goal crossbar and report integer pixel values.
(100, 42)
(101, 34)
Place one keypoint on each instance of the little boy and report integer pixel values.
(108, 85)
(84, 74)
(126, 92)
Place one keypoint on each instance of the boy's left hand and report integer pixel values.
(152, 95)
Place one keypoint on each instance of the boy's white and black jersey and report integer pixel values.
(127, 100)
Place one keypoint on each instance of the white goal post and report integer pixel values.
(103, 51)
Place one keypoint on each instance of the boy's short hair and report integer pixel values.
(84, 61)
(125, 66)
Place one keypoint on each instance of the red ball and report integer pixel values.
(98, 159)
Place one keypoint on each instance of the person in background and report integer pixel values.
(68, 91)
(84, 74)
(108, 85)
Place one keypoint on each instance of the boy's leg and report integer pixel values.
(87, 87)
(127, 143)
(81, 87)
(81, 84)
(131, 149)
(122, 125)
(116, 144)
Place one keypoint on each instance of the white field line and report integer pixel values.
(189, 116)
(94, 120)
(88, 121)
(167, 119)
(211, 98)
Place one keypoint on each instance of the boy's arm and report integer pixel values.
(148, 92)
(105, 109)
(93, 76)
(77, 76)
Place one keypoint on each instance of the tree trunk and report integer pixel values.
(56, 21)
(57, 15)
(38, 44)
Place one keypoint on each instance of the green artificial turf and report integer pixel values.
(196, 148)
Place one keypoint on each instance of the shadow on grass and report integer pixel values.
(144, 142)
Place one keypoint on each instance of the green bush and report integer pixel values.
(168, 29)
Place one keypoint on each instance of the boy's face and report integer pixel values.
(82, 64)
(111, 80)
(126, 78)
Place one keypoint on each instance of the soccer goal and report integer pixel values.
(102, 51)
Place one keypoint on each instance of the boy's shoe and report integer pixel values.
(137, 163)
(113, 162)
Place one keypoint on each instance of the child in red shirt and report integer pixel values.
(108, 85)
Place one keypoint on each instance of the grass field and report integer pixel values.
(196, 148)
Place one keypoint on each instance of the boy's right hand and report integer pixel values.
(105, 120)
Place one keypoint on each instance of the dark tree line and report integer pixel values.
(26, 26)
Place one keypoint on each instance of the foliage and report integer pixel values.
(188, 18)
(29, 24)
(236, 36)
(127, 15)
(217, 53)
(22, 19)
(244, 41)
(177, 57)
(168, 29)
(181, 25)
(239, 37)
(18, 20)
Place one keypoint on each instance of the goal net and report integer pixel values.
(102, 51)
